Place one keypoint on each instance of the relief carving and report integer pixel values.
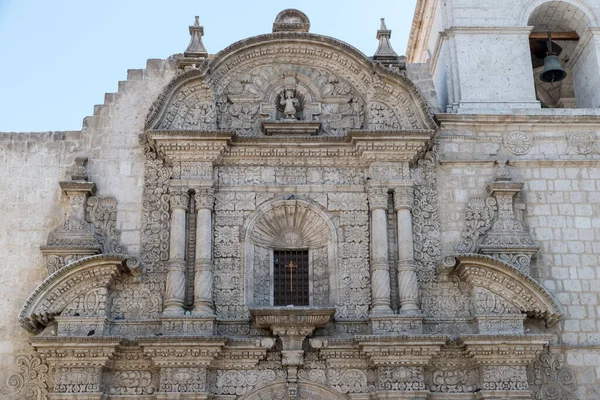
(401, 378)
(262, 276)
(551, 378)
(479, 215)
(29, 383)
(102, 212)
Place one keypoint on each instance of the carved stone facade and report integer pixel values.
(427, 278)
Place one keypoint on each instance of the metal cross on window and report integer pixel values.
(291, 266)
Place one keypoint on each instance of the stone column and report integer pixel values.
(380, 269)
(175, 289)
(408, 288)
(203, 278)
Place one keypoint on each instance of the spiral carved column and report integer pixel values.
(408, 288)
(380, 269)
(175, 288)
(203, 276)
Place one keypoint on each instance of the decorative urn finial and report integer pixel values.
(196, 48)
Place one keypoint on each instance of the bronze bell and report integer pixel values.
(553, 70)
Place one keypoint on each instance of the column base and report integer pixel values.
(381, 310)
(188, 326)
(397, 324)
(413, 310)
(203, 310)
(173, 311)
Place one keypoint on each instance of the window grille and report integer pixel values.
(291, 283)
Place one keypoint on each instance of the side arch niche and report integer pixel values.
(489, 275)
(306, 390)
(289, 225)
(81, 287)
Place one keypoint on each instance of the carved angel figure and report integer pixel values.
(290, 102)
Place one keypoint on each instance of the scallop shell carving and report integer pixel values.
(291, 225)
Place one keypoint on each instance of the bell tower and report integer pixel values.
(492, 59)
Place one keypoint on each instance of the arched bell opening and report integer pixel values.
(559, 55)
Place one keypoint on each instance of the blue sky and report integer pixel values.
(59, 57)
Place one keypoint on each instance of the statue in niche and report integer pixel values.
(289, 103)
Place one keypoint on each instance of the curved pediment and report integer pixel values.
(75, 282)
(292, 77)
(509, 283)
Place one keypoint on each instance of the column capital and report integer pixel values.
(179, 197)
(378, 197)
(204, 197)
(404, 196)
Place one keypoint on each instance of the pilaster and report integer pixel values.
(380, 269)
(408, 289)
(203, 266)
(175, 287)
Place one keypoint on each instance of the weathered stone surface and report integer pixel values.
(446, 256)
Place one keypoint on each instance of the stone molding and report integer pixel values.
(358, 146)
(506, 281)
(80, 277)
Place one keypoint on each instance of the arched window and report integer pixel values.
(290, 256)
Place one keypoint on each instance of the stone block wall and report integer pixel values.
(32, 204)
(560, 202)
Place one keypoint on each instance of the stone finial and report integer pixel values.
(385, 53)
(79, 172)
(291, 20)
(196, 47)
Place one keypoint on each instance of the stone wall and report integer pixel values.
(560, 203)
(32, 204)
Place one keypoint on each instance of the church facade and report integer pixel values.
(290, 218)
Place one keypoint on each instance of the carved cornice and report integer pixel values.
(188, 351)
(77, 278)
(401, 349)
(189, 145)
(243, 353)
(357, 146)
(505, 280)
(504, 349)
(76, 351)
(71, 187)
